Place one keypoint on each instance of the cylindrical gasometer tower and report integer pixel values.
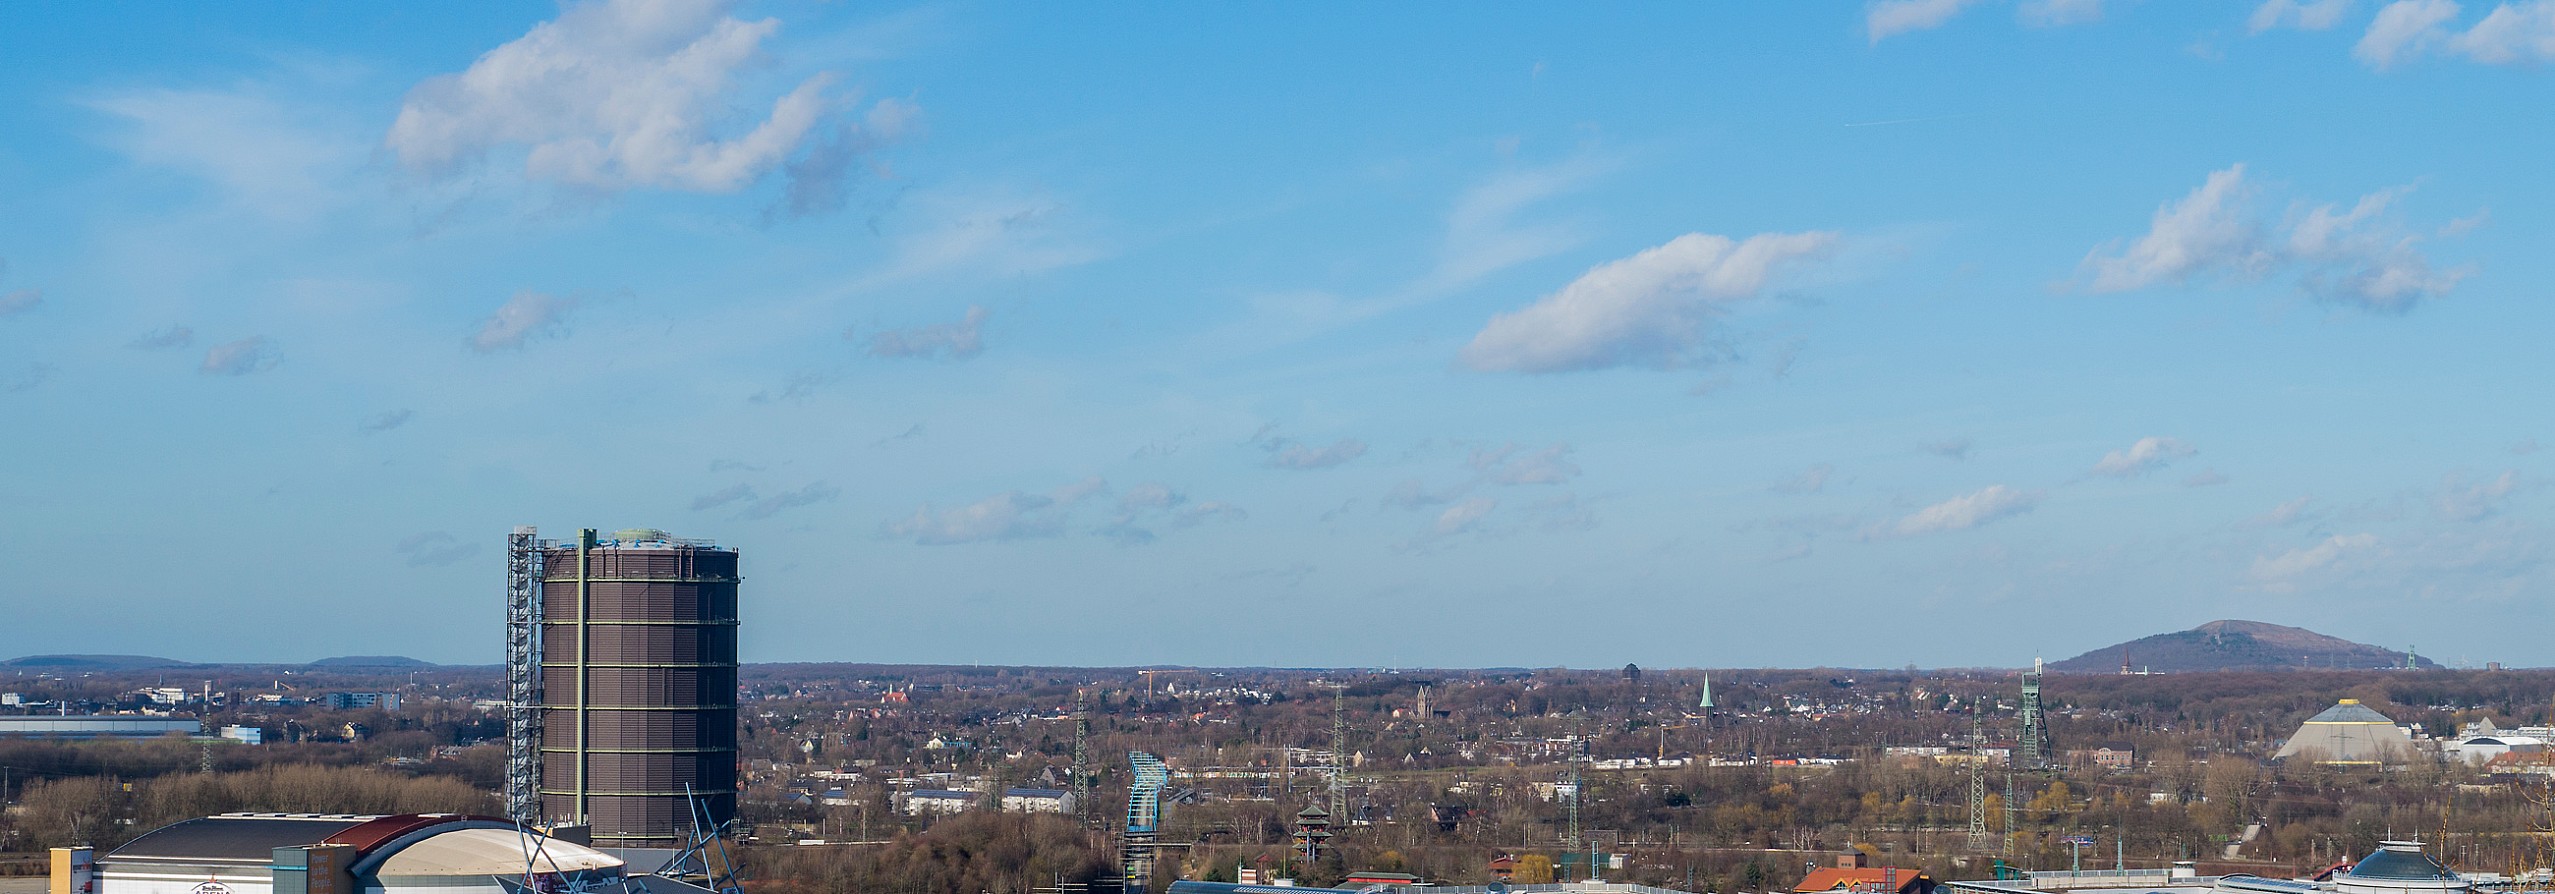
(638, 681)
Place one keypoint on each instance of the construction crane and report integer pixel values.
(1148, 676)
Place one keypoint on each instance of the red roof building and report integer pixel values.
(1849, 874)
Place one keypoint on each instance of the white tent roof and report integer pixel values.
(476, 852)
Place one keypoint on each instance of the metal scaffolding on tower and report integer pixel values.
(523, 677)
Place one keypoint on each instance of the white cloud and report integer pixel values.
(2458, 500)
(2356, 258)
(1652, 309)
(2512, 32)
(955, 341)
(526, 316)
(2280, 572)
(1888, 18)
(1287, 455)
(2361, 264)
(2515, 32)
(1966, 511)
(20, 301)
(613, 94)
(1949, 448)
(255, 353)
(2059, 13)
(1810, 481)
(2305, 15)
(2147, 455)
(2207, 230)
(2403, 29)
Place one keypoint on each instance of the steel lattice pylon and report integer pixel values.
(523, 677)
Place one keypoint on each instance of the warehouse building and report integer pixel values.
(95, 726)
(306, 853)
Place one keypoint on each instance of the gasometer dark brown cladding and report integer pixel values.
(638, 686)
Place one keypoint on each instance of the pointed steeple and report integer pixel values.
(1707, 692)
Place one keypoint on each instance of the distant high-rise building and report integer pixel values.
(638, 683)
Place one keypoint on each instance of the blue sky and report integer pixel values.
(1922, 331)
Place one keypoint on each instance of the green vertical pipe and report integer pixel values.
(585, 658)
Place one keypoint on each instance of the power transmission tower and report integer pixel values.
(2006, 848)
(1978, 778)
(1339, 753)
(1578, 753)
(1082, 763)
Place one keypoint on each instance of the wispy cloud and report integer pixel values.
(2205, 478)
(23, 376)
(2059, 13)
(529, 315)
(2304, 15)
(1948, 448)
(950, 341)
(1156, 503)
(1654, 309)
(2513, 33)
(1012, 515)
(172, 337)
(1462, 518)
(1810, 481)
(255, 353)
(1889, 18)
(983, 232)
(2281, 572)
(1484, 233)
(2462, 500)
(723, 496)
(1299, 456)
(809, 495)
(435, 548)
(817, 181)
(20, 301)
(1507, 465)
(2147, 455)
(1961, 513)
(2357, 258)
(384, 421)
(2283, 515)
(612, 95)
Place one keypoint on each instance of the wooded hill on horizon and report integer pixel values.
(2237, 645)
